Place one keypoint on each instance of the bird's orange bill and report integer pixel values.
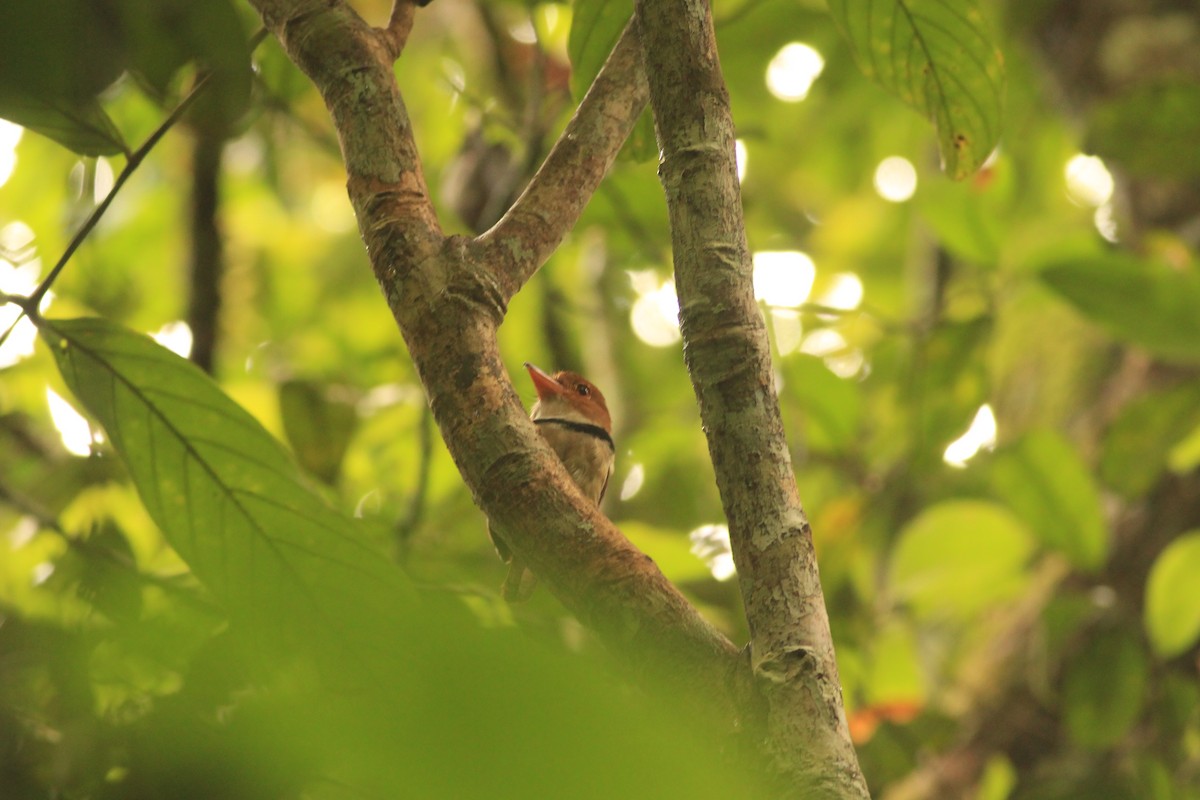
(543, 382)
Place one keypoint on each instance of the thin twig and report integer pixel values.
(399, 26)
(30, 304)
(553, 200)
(135, 160)
(17, 300)
(27, 310)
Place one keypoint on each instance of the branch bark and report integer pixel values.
(399, 26)
(726, 350)
(449, 295)
(533, 228)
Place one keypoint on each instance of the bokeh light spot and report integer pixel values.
(330, 207)
(980, 436)
(1106, 222)
(655, 313)
(785, 323)
(710, 543)
(72, 427)
(633, 481)
(793, 70)
(103, 181)
(523, 31)
(895, 179)
(176, 337)
(19, 281)
(845, 292)
(1089, 183)
(10, 136)
(783, 278)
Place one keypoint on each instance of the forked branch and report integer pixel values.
(449, 294)
(552, 202)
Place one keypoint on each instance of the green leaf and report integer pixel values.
(1140, 302)
(81, 125)
(1138, 445)
(937, 57)
(1172, 602)
(213, 32)
(229, 499)
(164, 35)
(63, 48)
(1185, 455)
(1155, 781)
(998, 780)
(895, 673)
(1151, 130)
(56, 56)
(1044, 480)
(1104, 687)
(319, 421)
(958, 557)
(595, 28)
(155, 52)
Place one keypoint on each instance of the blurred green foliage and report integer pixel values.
(192, 611)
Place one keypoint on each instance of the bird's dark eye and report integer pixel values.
(583, 389)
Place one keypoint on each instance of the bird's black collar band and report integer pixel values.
(581, 427)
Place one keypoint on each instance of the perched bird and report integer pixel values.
(574, 420)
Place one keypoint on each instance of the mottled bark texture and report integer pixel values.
(725, 346)
(449, 294)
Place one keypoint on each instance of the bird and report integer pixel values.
(573, 418)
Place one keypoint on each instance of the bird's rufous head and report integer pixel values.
(565, 392)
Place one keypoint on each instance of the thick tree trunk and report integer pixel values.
(728, 357)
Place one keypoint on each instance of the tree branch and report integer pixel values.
(399, 26)
(448, 298)
(347, 61)
(551, 204)
(726, 349)
(131, 164)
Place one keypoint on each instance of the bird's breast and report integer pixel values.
(588, 458)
